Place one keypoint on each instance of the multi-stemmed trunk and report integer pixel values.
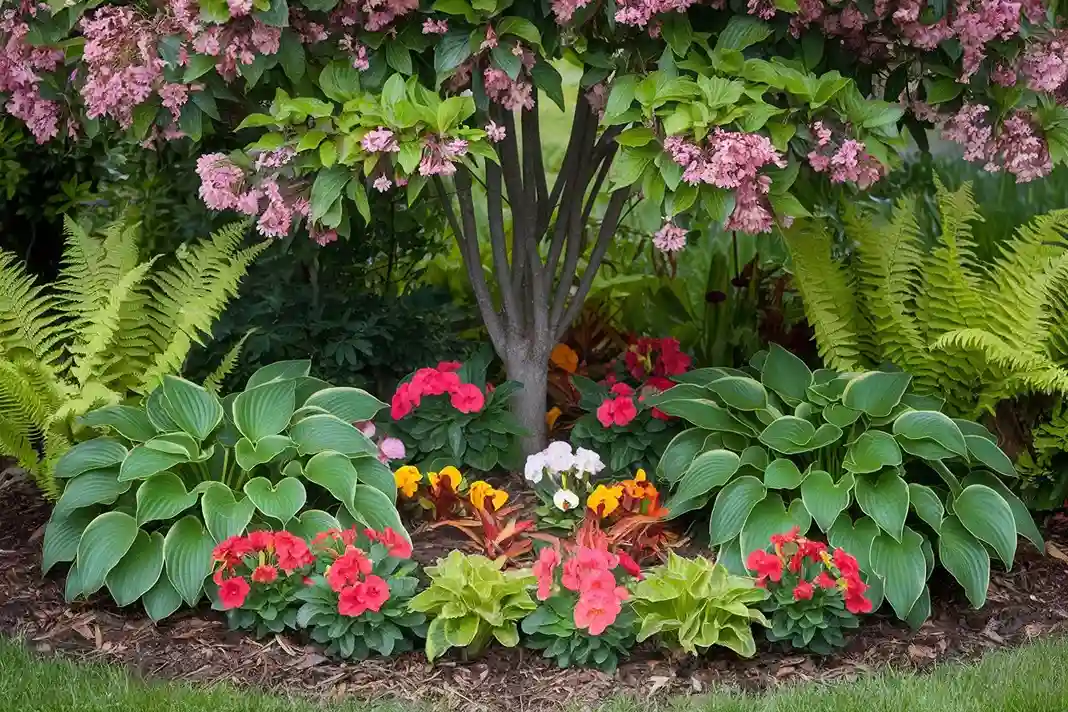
(539, 290)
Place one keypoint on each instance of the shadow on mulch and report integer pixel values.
(1029, 602)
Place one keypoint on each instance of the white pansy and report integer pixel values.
(559, 457)
(565, 500)
(534, 470)
(587, 462)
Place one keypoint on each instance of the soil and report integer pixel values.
(1029, 602)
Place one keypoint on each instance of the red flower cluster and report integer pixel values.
(589, 570)
(791, 551)
(650, 362)
(264, 554)
(655, 357)
(618, 409)
(444, 379)
(350, 573)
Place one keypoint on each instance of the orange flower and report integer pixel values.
(604, 500)
(407, 479)
(551, 416)
(483, 496)
(565, 358)
(640, 487)
(449, 477)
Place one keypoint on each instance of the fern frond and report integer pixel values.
(830, 304)
(29, 326)
(55, 444)
(226, 366)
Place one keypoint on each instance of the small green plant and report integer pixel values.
(450, 415)
(471, 600)
(881, 471)
(144, 506)
(693, 604)
(1044, 466)
(551, 629)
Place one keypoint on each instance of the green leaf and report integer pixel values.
(885, 500)
(197, 66)
(61, 537)
(1025, 525)
(988, 453)
(265, 410)
(223, 515)
(93, 454)
(679, 453)
(317, 433)
(98, 487)
(399, 57)
(740, 393)
(548, 79)
(920, 425)
(139, 569)
(620, 97)
(732, 507)
(677, 32)
(162, 497)
(824, 498)
(375, 510)
(742, 32)
(326, 189)
(312, 522)
(187, 552)
(279, 501)
(451, 51)
(250, 455)
(902, 567)
(855, 538)
(927, 505)
(768, 517)
(782, 474)
(276, 15)
(706, 414)
(352, 405)
(940, 91)
(436, 642)
(460, 632)
(963, 556)
(507, 634)
(103, 544)
(157, 413)
(871, 452)
(129, 422)
(161, 600)
(504, 59)
(335, 473)
(340, 81)
(707, 471)
(988, 517)
(520, 27)
(875, 393)
(144, 461)
(279, 371)
(291, 55)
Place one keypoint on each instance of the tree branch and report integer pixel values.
(533, 161)
(604, 238)
(498, 240)
(602, 173)
(583, 124)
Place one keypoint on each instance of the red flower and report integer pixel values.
(766, 566)
(375, 592)
(803, 591)
(825, 580)
(261, 540)
(630, 565)
(432, 382)
(292, 552)
(596, 611)
(548, 559)
(348, 567)
(855, 600)
(232, 550)
(622, 389)
(787, 538)
(233, 592)
(396, 544)
(264, 574)
(402, 404)
(796, 562)
(467, 398)
(616, 411)
(351, 601)
(449, 366)
(846, 563)
(672, 361)
(811, 549)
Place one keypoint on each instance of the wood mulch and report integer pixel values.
(1029, 602)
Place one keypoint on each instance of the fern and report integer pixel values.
(111, 329)
(973, 333)
(226, 366)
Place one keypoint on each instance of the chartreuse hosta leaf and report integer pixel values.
(868, 461)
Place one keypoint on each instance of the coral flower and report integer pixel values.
(261, 540)
(292, 552)
(408, 479)
(548, 560)
(232, 550)
(484, 496)
(352, 601)
(402, 402)
(449, 366)
(265, 574)
(596, 611)
(787, 538)
(396, 545)
(604, 500)
(846, 563)
(375, 592)
(825, 580)
(767, 566)
(630, 565)
(616, 411)
(348, 567)
(803, 591)
(467, 398)
(233, 592)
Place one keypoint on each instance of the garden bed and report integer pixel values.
(1028, 602)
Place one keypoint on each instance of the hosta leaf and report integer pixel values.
(902, 567)
(373, 509)
(318, 433)
(785, 374)
(740, 393)
(281, 500)
(333, 472)
(223, 515)
(139, 570)
(886, 500)
(875, 393)
(988, 517)
(162, 497)
(708, 415)
(61, 537)
(988, 453)
(934, 426)
(161, 600)
(824, 498)
(732, 507)
(94, 454)
(871, 452)
(1025, 524)
(679, 453)
(144, 461)
(193, 408)
(250, 455)
(708, 470)
(963, 556)
(187, 552)
(266, 409)
(129, 422)
(782, 474)
(927, 505)
(103, 544)
(97, 487)
(352, 405)
(854, 537)
(770, 516)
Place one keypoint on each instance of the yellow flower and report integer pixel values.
(604, 500)
(551, 416)
(482, 491)
(450, 473)
(640, 487)
(407, 479)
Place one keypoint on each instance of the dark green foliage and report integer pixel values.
(551, 628)
(815, 624)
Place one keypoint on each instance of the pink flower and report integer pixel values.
(322, 237)
(449, 366)
(382, 184)
(292, 552)
(548, 560)
(435, 27)
(396, 545)
(380, 140)
(495, 132)
(367, 428)
(564, 9)
(822, 133)
(402, 404)
(390, 449)
(219, 181)
(852, 163)
(670, 238)
(277, 218)
(512, 95)
(596, 611)
(233, 592)
(467, 398)
(264, 574)
(616, 411)
(239, 8)
(803, 591)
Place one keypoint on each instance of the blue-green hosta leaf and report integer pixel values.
(279, 371)
(250, 455)
(352, 405)
(902, 567)
(279, 501)
(927, 505)
(157, 412)
(786, 374)
(855, 538)
(740, 393)
(312, 522)
(163, 497)
(129, 422)
(333, 472)
(871, 452)
(1025, 525)
(318, 433)
(990, 454)
(224, 516)
(824, 498)
(782, 474)
(61, 537)
(193, 408)
(139, 570)
(707, 414)
(161, 600)
(886, 500)
(732, 507)
(187, 552)
(103, 544)
(875, 393)
(785, 434)
(373, 509)
(840, 415)
(708, 471)
(371, 471)
(988, 517)
(144, 461)
(85, 490)
(679, 453)
(266, 409)
(94, 454)
(964, 556)
(770, 516)
(933, 426)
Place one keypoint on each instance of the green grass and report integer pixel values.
(1030, 679)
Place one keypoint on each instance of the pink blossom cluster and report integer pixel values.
(122, 64)
(511, 94)
(237, 42)
(639, 13)
(440, 156)
(495, 133)
(565, 9)
(732, 160)
(225, 186)
(848, 162)
(670, 238)
(380, 140)
(20, 63)
(1045, 65)
(435, 27)
(372, 15)
(310, 32)
(358, 50)
(1017, 147)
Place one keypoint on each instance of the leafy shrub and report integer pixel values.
(112, 328)
(358, 601)
(470, 600)
(795, 447)
(972, 334)
(618, 421)
(693, 604)
(813, 595)
(449, 414)
(583, 618)
(262, 458)
(1044, 466)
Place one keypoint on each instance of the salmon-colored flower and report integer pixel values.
(630, 565)
(604, 500)
(846, 563)
(375, 592)
(292, 552)
(597, 610)
(825, 580)
(767, 566)
(396, 545)
(484, 496)
(803, 591)
(548, 560)
(347, 569)
(232, 550)
(408, 479)
(233, 592)
(616, 411)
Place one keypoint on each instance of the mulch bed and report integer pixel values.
(1029, 602)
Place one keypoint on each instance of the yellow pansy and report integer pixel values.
(482, 492)
(448, 474)
(604, 500)
(551, 416)
(408, 479)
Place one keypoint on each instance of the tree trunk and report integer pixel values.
(528, 364)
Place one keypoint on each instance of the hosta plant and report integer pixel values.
(882, 472)
(449, 414)
(471, 600)
(145, 505)
(813, 594)
(693, 604)
(258, 577)
(357, 603)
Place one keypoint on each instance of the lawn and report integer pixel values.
(1033, 678)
